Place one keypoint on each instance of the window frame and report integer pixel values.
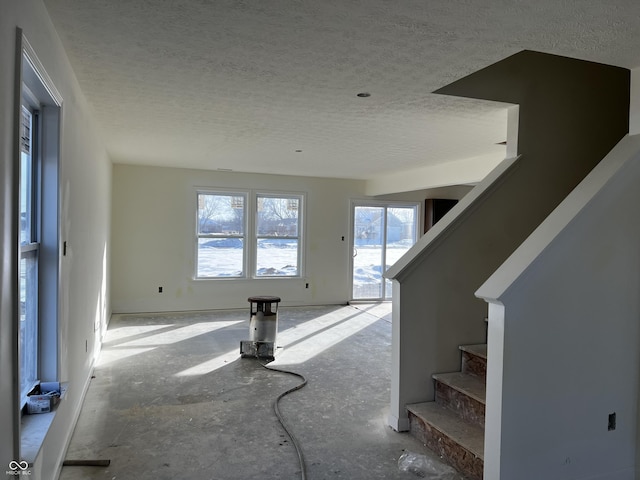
(244, 236)
(299, 237)
(251, 237)
(30, 247)
(36, 90)
(385, 205)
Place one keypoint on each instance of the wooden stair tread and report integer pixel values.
(479, 350)
(470, 437)
(470, 385)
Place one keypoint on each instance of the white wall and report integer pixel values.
(567, 326)
(154, 241)
(85, 183)
(465, 171)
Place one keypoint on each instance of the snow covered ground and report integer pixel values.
(280, 260)
(220, 259)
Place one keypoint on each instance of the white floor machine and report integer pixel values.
(263, 328)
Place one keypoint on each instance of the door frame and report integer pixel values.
(418, 229)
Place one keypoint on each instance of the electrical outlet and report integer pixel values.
(612, 421)
(159, 289)
(306, 285)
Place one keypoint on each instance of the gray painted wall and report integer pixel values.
(571, 113)
(565, 320)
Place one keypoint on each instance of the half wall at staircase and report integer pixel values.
(565, 320)
(571, 113)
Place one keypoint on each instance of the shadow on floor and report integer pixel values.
(172, 398)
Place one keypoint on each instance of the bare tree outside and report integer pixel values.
(222, 214)
(223, 243)
(278, 216)
(277, 236)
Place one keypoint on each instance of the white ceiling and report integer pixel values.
(245, 84)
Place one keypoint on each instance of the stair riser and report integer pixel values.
(474, 365)
(453, 453)
(466, 407)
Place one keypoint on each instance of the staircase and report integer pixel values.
(453, 424)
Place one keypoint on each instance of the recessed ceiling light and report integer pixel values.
(363, 94)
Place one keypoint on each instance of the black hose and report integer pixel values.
(276, 409)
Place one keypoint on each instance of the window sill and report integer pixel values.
(246, 279)
(34, 428)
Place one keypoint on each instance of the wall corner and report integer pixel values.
(634, 102)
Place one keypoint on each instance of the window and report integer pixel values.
(278, 236)
(228, 246)
(29, 250)
(38, 266)
(221, 235)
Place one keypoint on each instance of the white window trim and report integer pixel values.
(382, 204)
(30, 250)
(302, 206)
(33, 82)
(246, 194)
(250, 237)
(41, 86)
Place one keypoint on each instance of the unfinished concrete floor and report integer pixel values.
(172, 398)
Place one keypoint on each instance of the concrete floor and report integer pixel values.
(172, 398)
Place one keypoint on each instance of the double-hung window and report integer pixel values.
(231, 246)
(221, 235)
(39, 259)
(278, 235)
(29, 249)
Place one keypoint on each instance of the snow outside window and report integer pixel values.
(29, 249)
(228, 246)
(221, 235)
(278, 235)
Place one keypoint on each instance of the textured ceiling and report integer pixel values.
(246, 84)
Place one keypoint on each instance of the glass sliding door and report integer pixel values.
(382, 233)
(368, 252)
(401, 235)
